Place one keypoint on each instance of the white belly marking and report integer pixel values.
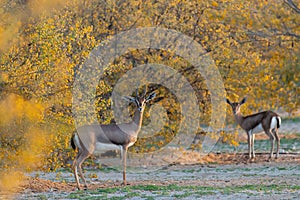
(102, 147)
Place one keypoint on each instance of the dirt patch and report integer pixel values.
(184, 169)
(261, 158)
(39, 185)
(217, 176)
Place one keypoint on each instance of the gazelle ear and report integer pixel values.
(243, 101)
(151, 96)
(128, 98)
(227, 100)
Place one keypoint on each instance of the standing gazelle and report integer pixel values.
(266, 121)
(90, 138)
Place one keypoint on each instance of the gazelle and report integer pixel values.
(87, 139)
(267, 121)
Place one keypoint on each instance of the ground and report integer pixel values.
(228, 176)
(225, 173)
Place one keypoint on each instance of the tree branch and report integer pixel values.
(292, 5)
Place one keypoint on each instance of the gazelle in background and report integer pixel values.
(87, 139)
(267, 121)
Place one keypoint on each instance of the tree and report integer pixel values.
(255, 46)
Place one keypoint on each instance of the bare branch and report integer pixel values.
(292, 5)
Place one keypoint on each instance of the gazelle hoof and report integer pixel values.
(270, 159)
(125, 183)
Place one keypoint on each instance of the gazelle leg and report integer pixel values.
(252, 144)
(272, 140)
(275, 132)
(249, 144)
(76, 174)
(74, 167)
(124, 164)
(121, 152)
(80, 160)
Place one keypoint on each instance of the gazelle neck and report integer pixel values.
(138, 119)
(239, 117)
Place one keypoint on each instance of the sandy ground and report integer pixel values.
(223, 170)
(217, 170)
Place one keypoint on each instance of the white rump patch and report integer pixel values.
(274, 122)
(257, 129)
(102, 147)
(76, 141)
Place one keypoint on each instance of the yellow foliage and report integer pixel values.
(35, 149)
(230, 138)
(10, 180)
(252, 42)
(4, 76)
(14, 107)
(27, 142)
(215, 4)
